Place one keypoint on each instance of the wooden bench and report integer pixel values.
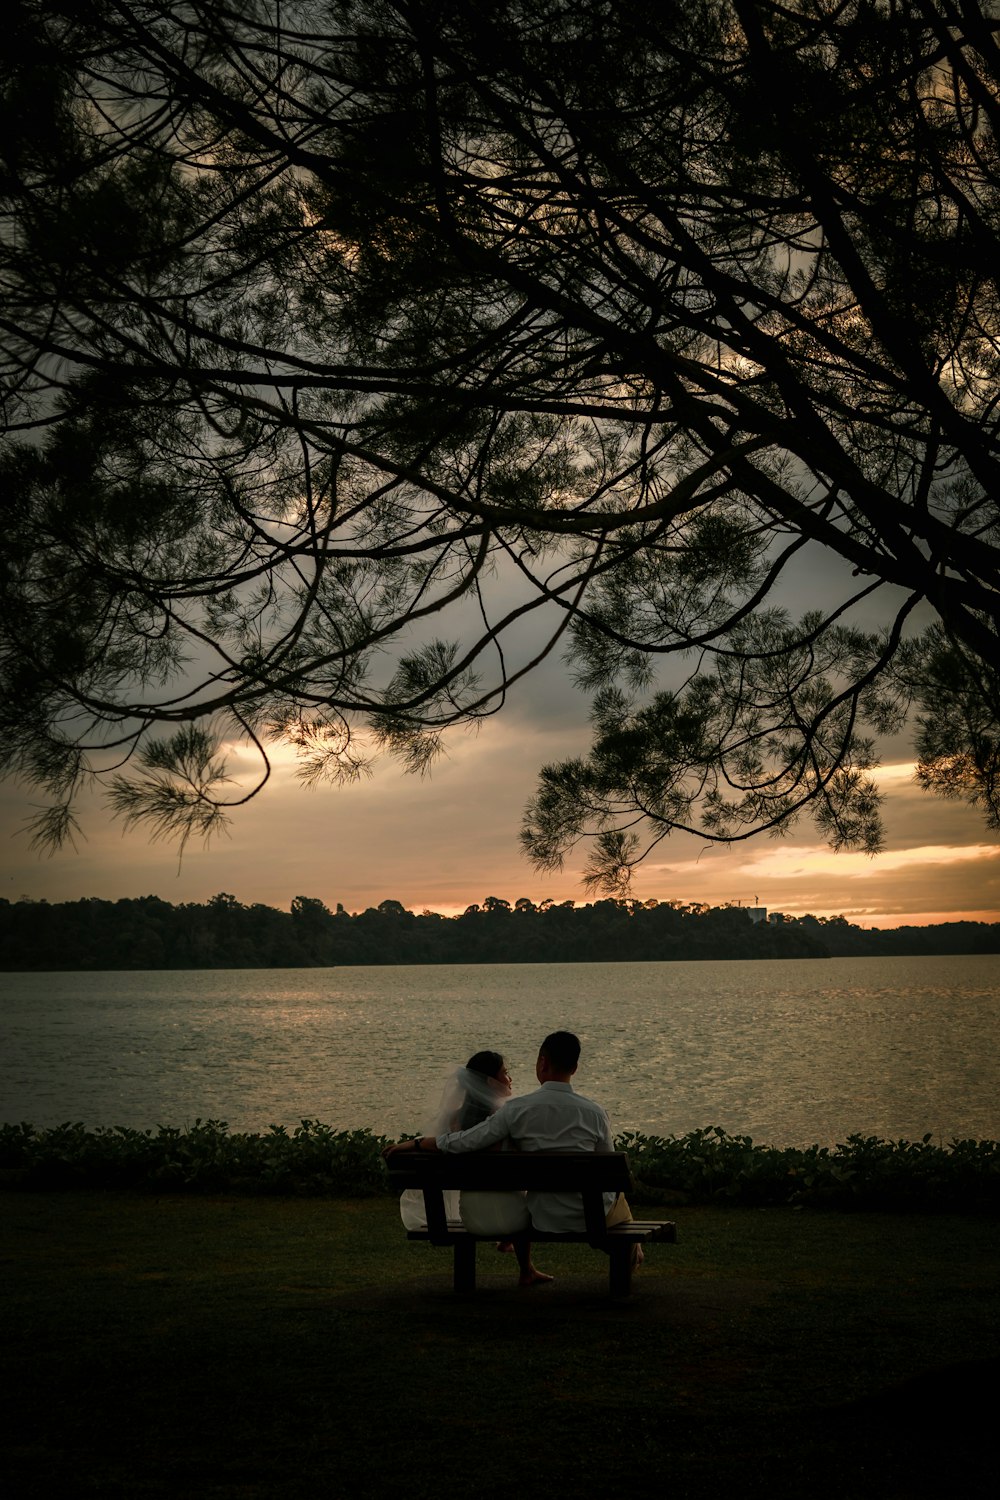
(588, 1173)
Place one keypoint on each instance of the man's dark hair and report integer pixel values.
(562, 1049)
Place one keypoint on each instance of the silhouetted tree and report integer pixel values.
(325, 326)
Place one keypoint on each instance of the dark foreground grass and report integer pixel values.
(259, 1348)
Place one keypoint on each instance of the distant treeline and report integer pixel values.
(147, 933)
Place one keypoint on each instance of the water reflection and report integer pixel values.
(788, 1052)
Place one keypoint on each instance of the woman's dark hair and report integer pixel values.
(489, 1063)
(473, 1110)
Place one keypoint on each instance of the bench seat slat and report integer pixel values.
(665, 1232)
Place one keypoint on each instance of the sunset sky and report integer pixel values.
(447, 840)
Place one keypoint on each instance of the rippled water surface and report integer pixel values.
(789, 1052)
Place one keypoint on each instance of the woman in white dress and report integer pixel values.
(473, 1094)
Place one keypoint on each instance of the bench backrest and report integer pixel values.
(589, 1173)
(503, 1171)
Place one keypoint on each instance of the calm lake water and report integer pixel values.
(788, 1052)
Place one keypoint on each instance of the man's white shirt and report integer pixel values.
(553, 1118)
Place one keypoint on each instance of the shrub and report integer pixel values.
(312, 1160)
(705, 1166)
(710, 1165)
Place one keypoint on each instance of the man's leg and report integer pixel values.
(529, 1275)
(620, 1213)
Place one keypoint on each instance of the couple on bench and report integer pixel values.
(479, 1115)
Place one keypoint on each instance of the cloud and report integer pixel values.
(818, 859)
(448, 839)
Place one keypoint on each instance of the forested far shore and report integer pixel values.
(148, 933)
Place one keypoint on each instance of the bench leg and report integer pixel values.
(465, 1265)
(620, 1269)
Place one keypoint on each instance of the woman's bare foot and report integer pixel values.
(506, 1247)
(533, 1277)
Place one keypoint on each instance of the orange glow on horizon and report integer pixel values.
(865, 919)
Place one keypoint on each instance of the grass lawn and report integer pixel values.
(256, 1348)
